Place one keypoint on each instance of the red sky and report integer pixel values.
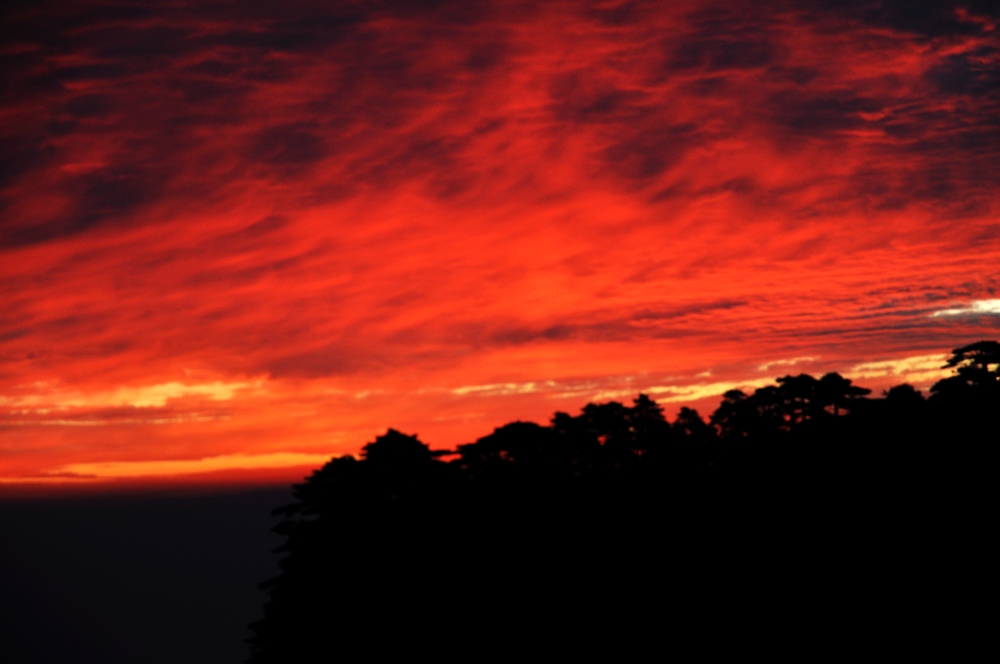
(255, 235)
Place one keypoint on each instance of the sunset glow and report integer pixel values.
(234, 237)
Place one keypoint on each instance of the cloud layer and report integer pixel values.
(349, 219)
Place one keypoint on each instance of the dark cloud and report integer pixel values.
(518, 336)
(106, 196)
(263, 233)
(648, 153)
(89, 105)
(20, 153)
(926, 18)
(102, 71)
(665, 322)
(799, 76)
(616, 13)
(215, 68)
(804, 111)
(221, 275)
(113, 192)
(722, 52)
(709, 86)
(671, 313)
(263, 227)
(397, 68)
(198, 92)
(139, 46)
(17, 333)
(975, 73)
(21, 79)
(577, 99)
(722, 39)
(331, 360)
(290, 145)
(685, 188)
(484, 57)
(428, 156)
(308, 33)
(101, 197)
(603, 331)
(456, 13)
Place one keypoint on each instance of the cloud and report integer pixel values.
(926, 18)
(290, 146)
(918, 369)
(47, 400)
(975, 73)
(618, 388)
(497, 389)
(723, 38)
(977, 308)
(696, 391)
(785, 363)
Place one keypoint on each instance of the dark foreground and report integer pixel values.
(134, 579)
(806, 517)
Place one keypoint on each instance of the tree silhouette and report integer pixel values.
(690, 425)
(558, 533)
(736, 417)
(798, 398)
(904, 395)
(837, 392)
(397, 450)
(972, 371)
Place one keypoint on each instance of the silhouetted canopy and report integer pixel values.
(568, 532)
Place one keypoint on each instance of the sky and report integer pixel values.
(237, 239)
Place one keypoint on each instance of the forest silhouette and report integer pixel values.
(606, 528)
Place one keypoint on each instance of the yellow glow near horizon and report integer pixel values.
(128, 469)
(146, 396)
(918, 369)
